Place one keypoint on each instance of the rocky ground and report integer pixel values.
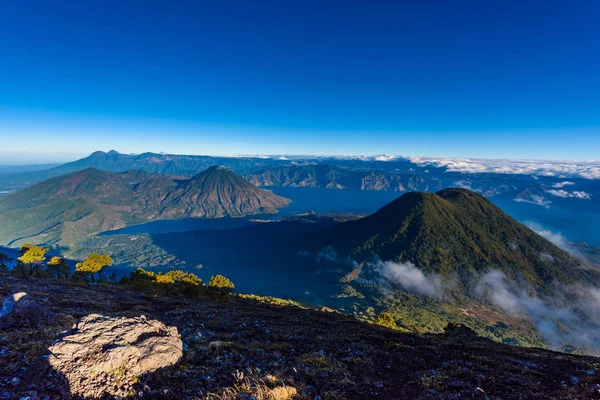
(241, 349)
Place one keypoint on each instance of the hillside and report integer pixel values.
(456, 231)
(67, 209)
(218, 192)
(240, 347)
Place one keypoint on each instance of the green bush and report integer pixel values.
(385, 319)
(221, 284)
(172, 282)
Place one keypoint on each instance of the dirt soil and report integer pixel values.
(241, 349)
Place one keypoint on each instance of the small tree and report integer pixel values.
(32, 256)
(4, 260)
(140, 279)
(93, 264)
(59, 267)
(164, 281)
(186, 282)
(20, 269)
(222, 284)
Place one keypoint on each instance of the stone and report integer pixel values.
(102, 347)
(20, 310)
(9, 303)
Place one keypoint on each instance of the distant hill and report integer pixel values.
(455, 231)
(334, 177)
(64, 210)
(217, 192)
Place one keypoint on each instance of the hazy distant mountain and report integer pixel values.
(64, 210)
(112, 161)
(175, 164)
(15, 169)
(335, 177)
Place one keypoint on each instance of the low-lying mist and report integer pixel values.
(570, 318)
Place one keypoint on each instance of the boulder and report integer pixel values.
(107, 355)
(20, 310)
(9, 303)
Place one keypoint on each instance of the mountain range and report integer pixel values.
(396, 174)
(62, 211)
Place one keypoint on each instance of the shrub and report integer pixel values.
(186, 282)
(20, 269)
(4, 260)
(32, 256)
(140, 279)
(385, 319)
(221, 284)
(175, 281)
(164, 282)
(59, 267)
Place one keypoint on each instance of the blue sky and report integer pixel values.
(509, 79)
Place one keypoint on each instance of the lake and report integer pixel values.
(576, 220)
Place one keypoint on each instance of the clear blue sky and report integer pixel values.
(511, 79)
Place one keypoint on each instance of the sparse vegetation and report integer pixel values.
(385, 319)
(4, 260)
(59, 267)
(93, 264)
(172, 282)
(221, 284)
(32, 257)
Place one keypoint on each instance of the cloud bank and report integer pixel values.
(570, 319)
(577, 194)
(581, 169)
(535, 199)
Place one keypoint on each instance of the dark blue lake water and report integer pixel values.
(576, 220)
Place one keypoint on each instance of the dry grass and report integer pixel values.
(252, 383)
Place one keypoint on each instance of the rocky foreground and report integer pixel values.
(60, 341)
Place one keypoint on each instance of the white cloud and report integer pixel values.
(577, 194)
(535, 199)
(571, 317)
(582, 169)
(464, 184)
(562, 184)
(385, 157)
(409, 277)
(554, 237)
